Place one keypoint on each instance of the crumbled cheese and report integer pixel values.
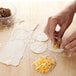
(56, 45)
(44, 64)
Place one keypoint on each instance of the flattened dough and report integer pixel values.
(38, 47)
(20, 34)
(40, 36)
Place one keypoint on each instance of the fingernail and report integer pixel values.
(66, 46)
(62, 47)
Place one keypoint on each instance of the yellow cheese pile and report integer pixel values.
(44, 64)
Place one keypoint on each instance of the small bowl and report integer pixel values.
(7, 21)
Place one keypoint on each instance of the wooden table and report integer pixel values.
(38, 13)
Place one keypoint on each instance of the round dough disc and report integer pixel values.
(38, 47)
(40, 36)
(20, 34)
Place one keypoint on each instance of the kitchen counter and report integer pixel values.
(37, 13)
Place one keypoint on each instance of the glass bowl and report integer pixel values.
(7, 21)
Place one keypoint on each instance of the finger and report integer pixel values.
(62, 30)
(52, 24)
(46, 31)
(71, 38)
(73, 49)
(68, 40)
(71, 45)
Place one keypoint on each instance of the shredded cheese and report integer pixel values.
(56, 45)
(44, 64)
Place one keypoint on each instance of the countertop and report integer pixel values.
(37, 13)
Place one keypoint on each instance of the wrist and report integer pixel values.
(72, 7)
(75, 6)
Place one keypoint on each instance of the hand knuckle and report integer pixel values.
(49, 19)
(68, 40)
(70, 45)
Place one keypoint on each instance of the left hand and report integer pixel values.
(70, 43)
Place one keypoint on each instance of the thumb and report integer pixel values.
(52, 24)
(62, 30)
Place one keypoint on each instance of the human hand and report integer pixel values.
(69, 43)
(64, 19)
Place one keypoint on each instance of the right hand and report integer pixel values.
(64, 19)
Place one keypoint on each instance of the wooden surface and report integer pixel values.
(38, 13)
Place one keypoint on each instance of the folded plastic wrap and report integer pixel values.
(12, 52)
